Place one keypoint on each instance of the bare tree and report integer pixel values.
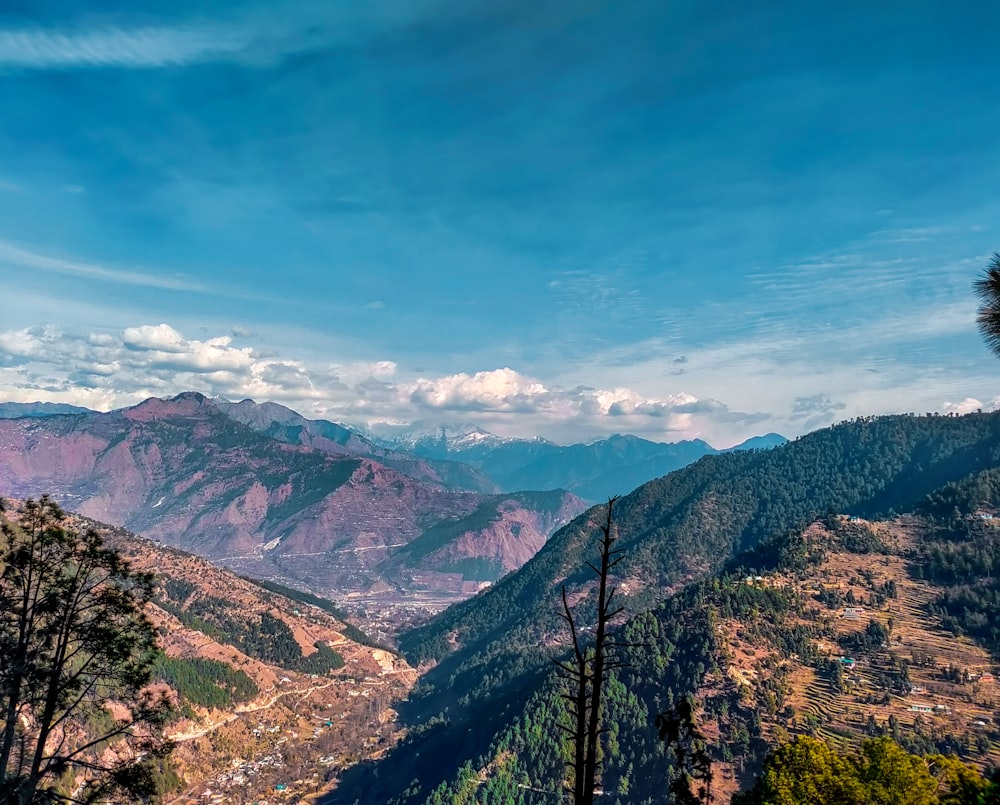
(77, 722)
(587, 671)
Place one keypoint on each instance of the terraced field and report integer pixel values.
(920, 681)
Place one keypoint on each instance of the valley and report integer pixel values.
(778, 588)
(428, 402)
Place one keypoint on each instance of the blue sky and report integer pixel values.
(556, 217)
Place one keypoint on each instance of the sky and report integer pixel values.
(557, 218)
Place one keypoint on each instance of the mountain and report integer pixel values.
(487, 661)
(765, 442)
(272, 685)
(13, 410)
(288, 426)
(182, 471)
(846, 629)
(436, 441)
(594, 471)
(503, 533)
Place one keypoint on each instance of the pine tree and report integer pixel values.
(74, 641)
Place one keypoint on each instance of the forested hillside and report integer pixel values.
(489, 699)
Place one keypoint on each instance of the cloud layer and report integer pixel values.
(106, 370)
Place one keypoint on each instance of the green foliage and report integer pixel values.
(73, 638)
(273, 642)
(807, 771)
(322, 661)
(964, 496)
(269, 639)
(965, 558)
(208, 683)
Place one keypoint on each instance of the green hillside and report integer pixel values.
(486, 698)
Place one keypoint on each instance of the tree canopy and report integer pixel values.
(78, 721)
(806, 771)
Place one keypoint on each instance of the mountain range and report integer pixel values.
(282, 500)
(594, 471)
(781, 588)
(285, 425)
(13, 410)
(274, 494)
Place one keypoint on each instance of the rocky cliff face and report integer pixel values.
(184, 472)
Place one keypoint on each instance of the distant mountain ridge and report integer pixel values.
(594, 471)
(679, 527)
(286, 425)
(467, 456)
(13, 410)
(437, 439)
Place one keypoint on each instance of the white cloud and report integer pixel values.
(966, 406)
(114, 369)
(505, 394)
(162, 337)
(162, 347)
(497, 390)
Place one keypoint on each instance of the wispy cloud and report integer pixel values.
(115, 47)
(17, 256)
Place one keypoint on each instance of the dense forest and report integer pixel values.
(351, 632)
(207, 683)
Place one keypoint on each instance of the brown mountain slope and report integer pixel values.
(286, 425)
(181, 471)
(296, 726)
